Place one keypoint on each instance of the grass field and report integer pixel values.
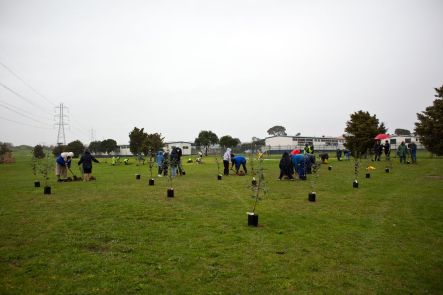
(117, 235)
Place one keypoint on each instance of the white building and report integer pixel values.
(289, 143)
(395, 140)
(184, 145)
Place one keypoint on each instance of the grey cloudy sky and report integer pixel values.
(233, 67)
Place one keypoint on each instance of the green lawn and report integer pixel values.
(117, 235)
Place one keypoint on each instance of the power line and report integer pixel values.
(21, 96)
(22, 110)
(24, 124)
(23, 115)
(27, 84)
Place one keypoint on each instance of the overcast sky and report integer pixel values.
(233, 67)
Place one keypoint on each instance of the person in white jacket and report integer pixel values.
(226, 161)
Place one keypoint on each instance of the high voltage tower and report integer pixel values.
(61, 116)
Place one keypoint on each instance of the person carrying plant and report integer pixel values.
(286, 167)
(226, 160)
(86, 159)
(62, 163)
(238, 161)
(402, 152)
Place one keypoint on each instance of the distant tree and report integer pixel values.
(258, 142)
(360, 132)
(108, 146)
(38, 152)
(137, 138)
(77, 147)
(400, 131)
(429, 127)
(95, 147)
(57, 150)
(153, 143)
(277, 130)
(228, 141)
(205, 139)
(6, 153)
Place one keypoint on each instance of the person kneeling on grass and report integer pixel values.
(62, 163)
(86, 159)
(237, 161)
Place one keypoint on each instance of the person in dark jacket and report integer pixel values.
(286, 167)
(387, 148)
(174, 161)
(378, 148)
(86, 161)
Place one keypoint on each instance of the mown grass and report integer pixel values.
(118, 235)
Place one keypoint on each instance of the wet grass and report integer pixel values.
(118, 235)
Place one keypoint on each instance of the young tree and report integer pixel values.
(361, 130)
(77, 147)
(205, 139)
(228, 141)
(153, 143)
(277, 130)
(38, 152)
(400, 131)
(137, 138)
(6, 153)
(108, 146)
(429, 127)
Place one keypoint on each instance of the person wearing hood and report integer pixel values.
(62, 163)
(86, 161)
(286, 167)
(226, 161)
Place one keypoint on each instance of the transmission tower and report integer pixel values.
(92, 135)
(61, 117)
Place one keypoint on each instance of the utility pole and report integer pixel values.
(61, 117)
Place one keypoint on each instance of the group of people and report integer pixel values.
(172, 159)
(63, 164)
(299, 164)
(236, 161)
(403, 151)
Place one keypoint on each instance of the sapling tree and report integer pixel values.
(217, 161)
(261, 185)
(46, 166)
(37, 155)
(314, 180)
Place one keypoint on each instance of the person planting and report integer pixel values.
(63, 162)
(238, 161)
(86, 159)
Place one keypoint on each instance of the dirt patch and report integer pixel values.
(435, 176)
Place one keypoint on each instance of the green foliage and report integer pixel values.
(152, 144)
(258, 142)
(95, 147)
(429, 127)
(38, 152)
(277, 130)
(57, 150)
(108, 146)
(361, 130)
(228, 141)
(77, 147)
(137, 138)
(205, 139)
(400, 131)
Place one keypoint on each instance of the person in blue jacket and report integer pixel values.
(299, 164)
(238, 161)
(159, 159)
(62, 163)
